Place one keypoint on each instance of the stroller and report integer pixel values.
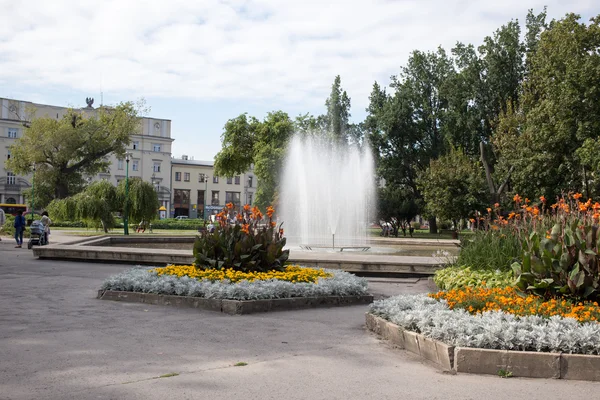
(37, 234)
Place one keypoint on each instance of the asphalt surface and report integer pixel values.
(57, 341)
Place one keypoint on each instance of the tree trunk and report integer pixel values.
(432, 225)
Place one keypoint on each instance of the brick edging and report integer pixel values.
(234, 307)
(528, 364)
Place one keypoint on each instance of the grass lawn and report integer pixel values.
(423, 234)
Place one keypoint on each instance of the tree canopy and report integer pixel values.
(67, 151)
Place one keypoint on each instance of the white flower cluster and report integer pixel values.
(489, 330)
(142, 280)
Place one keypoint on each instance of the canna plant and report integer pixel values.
(564, 260)
(243, 241)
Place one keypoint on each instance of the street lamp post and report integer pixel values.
(126, 217)
(205, 195)
(33, 193)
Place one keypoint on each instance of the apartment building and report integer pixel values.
(150, 150)
(197, 192)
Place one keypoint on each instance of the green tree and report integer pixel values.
(397, 206)
(95, 205)
(549, 138)
(338, 111)
(453, 187)
(98, 202)
(143, 200)
(68, 150)
(247, 141)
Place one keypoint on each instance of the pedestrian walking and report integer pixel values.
(19, 228)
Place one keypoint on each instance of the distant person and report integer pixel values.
(46, 221)
(211, 227)
(19, 228)
(2, 221)
(141, 227)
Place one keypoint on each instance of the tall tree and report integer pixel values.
(550, 137)
(338, 111)
(68, 150)
(453, 187)
(247, 141)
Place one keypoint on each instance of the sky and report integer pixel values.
(202, 62)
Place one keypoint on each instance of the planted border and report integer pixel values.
(526, 364)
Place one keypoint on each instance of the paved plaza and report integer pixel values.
(57, 341)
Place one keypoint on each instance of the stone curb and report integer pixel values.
(525, 364)
(234, 307)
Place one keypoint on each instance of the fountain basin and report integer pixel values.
(159, 250)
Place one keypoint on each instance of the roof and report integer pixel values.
(192, 162)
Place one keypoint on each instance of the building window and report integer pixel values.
(120, 164)
(178, 176)
(12, 133)
(186, 176)
(201, 178)
(233, 197)
(229, 180)
(11, 179)
(8, 155)
(136, 165)
(237, 180)
(215, 179)
(156, 167)
(215, 198)
(181, 198)
(250, 198)
(249, 181)
(136, 145)
(156, 147)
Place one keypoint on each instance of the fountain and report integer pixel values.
(327, 196)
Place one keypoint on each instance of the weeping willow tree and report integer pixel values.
(99, 202)
(142, 200)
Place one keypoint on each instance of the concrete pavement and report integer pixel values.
(58, 342)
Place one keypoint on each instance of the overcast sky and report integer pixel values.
(201, 62)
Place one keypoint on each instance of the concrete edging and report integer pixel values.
(526, 364)
(234, 307)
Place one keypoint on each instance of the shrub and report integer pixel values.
(415, 225)
(246, 245)
(460, 277)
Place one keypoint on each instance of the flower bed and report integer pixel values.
(149, 280)
(478, 300)
(292, 273)
(489, 329)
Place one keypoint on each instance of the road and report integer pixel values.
(58, 342)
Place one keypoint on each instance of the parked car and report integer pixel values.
(180, 217)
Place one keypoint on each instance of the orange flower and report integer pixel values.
(489, 210)
(517, 198)
(511, 215)
(281, 232)
(270, 211)
(496, 205)
(229, 205)
(542, 199)
(247, 207)
(273, 223)
(240, 217)
(472, 220)
(577, 196)
(526, 200)
(245, 228)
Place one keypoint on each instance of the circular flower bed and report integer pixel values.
(478, 300)
(292, 273)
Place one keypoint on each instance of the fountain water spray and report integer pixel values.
(327, 195)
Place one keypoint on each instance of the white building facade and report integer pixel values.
(150, 150)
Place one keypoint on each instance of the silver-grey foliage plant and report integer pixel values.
(141, 279)
(488, 330)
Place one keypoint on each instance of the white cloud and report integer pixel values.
(270, 50)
